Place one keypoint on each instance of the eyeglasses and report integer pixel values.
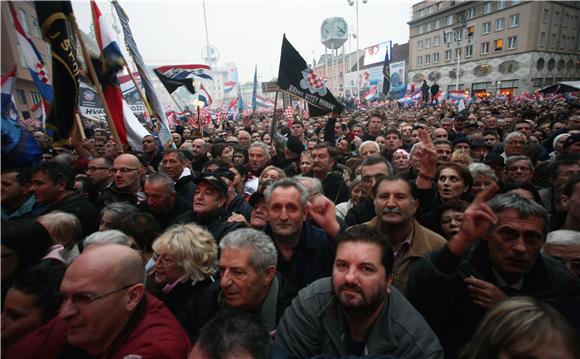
(94, 168)
(87, 298)
(123, 170)
(165, 262)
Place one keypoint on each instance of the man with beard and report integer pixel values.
(395, 207)
(356, 312)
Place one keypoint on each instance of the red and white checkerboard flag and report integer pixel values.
(289, 113)
(222, 116)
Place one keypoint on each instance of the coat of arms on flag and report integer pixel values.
(312, 82)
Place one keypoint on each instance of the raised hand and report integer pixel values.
(484, 294)
(323, 211)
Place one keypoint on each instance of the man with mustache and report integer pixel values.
(495, 255)
(395, 207)
(356, 312)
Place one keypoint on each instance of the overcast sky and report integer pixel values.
(249, 32)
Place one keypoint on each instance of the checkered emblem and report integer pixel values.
(312, 82)
(41, 73)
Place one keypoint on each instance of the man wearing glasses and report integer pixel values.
(106, 313)
(99, 171)
(127, 171)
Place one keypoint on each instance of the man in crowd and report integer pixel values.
(395, 207)
(53, 186)
(369, 149)
(106, 313)
(163, 201)
(570, 203)
(17, 199)
(209, 207)
(151, 153)
(259, 158)
(127, 172)
(323, 161)
(199, 152)
(453, 287)
(356, 312)
(374, 127)
(519, 169)
(174, 165)
(444, 150)
(99, 171)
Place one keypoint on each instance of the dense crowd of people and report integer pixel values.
(389, 232)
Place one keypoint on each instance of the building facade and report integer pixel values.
(509, 47)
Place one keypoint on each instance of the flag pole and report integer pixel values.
(80, 126)
(96, 83)
(143, 98)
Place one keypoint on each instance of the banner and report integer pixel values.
(398, 84)
(298, 79)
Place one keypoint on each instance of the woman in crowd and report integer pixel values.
(223, 152)
(448, 218)
(269, 175)
(401, 160)
(357, 190)
(521, 327)
(240, 156)
(65, 230)
(240, 173)
(453, 182)
(305, 163)
(185, 261)
(461, 158)
(483, 177)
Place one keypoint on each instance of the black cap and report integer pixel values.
(479, 144)
(492, 157)
(461, 140)
(224, 172)
(214, 181)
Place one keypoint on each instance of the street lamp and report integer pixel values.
(351, 3)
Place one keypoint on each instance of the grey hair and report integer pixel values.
(107, 237)
(563, 237)
(481, 169)
(162, 178)
(264, 147)
(263, 251)
(414, 149)
(525, 207)
(119, 209)
(378, 148)
(315, 184)
(511, 135)
(287, 183)
(513, 159)
(355, 182)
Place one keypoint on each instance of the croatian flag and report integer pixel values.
(32, 59)
(264, 102)
(8, 104)
(181, 72)
(410, 97)
(371, 94)
(233, 104)
(441, 96)
(457, 95)
(204, 96)
(229, 86)
(129, 128)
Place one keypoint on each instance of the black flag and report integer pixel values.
(52, 17)
(172, 84)
(296, 78)
(387, 72)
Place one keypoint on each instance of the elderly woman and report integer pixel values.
(223, 152)
(401, 160)
(269, 175)
(483, 177)
(453, 182)
(357, 190)
(185, 262)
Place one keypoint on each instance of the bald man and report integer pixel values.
(127, 172)
(106, 313)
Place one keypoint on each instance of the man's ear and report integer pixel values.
(565, 202)
(269, 274)
(134, 295)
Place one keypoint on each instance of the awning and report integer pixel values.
(561, 87)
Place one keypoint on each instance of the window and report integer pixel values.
(515, 2)
(514, 20)
(471, 13)
(487, 7)
(435, 40)
(448, 37)
(437, 24)
(420, 29)
(498, 45)
(556, 18)
(438, 6)
(428, 26)
(469, 51)
(486, 28)
(419, 44)
(430, 10)
(427, 59)
(572, 42)
(470, 31)
(575, 22)
(21, 97)
(545, 16)
(24, 20)
(419, 60)
(553, 41)
(457, 53)
(542, 41)
(36, 28)
(537, 82)
(447, 55)
(499, 24)
(36, 98)
(502, 4)
(427, 43)
(435, 57)
(449, 20)
(458, 35)
(566, 21)
(421, 12)
(485, 48)
(512, 42)
(563, 42)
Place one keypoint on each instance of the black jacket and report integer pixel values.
(185, 187)
(78, 205)
(165, 220)
(241, 206)
(438, 291)
(335, 188)
(216, 222)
